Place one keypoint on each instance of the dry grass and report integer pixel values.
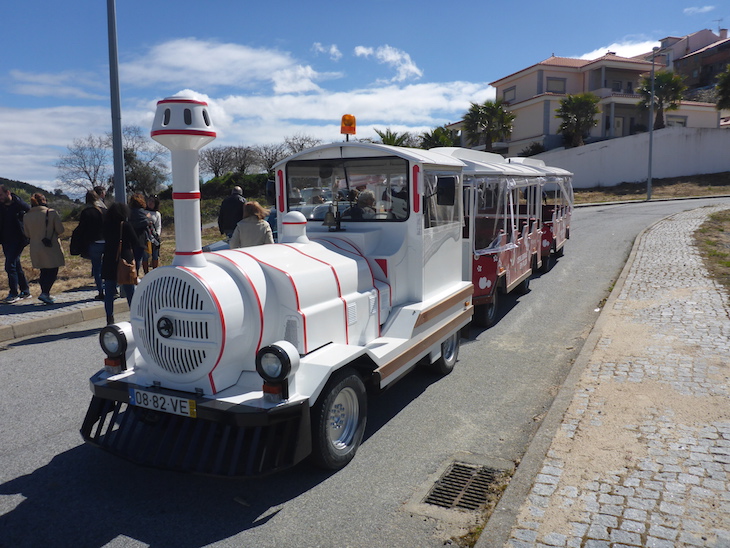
(716, 184)
(713, 240)
(77, 271)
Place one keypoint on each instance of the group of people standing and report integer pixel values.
(107, 234)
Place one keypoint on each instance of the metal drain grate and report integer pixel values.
(463, 486)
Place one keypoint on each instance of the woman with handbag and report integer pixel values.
(118, 266)
(42, 226)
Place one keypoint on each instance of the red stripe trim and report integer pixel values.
(217, 304)
(256, 296)
(192, 195)
(337, 280)
(184, 253)
(185, 101)
(416, 195)
(197, 132)
(289, 223)
(280, 175)
(294, 287)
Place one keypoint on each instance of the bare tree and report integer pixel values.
(243, 158)
(268, 155)
(86, 163)
(145, 166)
(300, 142)
(216, 160)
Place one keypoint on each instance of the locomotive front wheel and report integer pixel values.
(338, 420)
(449, 353)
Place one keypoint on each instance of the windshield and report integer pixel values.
(360, 189)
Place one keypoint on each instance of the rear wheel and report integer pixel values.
(449, 353)
(547, 263)
(485, 315)
(338, 420)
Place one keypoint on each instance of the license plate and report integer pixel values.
(162, 402)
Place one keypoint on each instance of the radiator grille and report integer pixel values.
(170, 292)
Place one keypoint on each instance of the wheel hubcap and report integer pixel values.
(343, 416)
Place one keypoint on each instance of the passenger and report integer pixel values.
(101, 193)
(253, 228)
(231, 211)
(364, 208)
(43, 226)
(13, 240)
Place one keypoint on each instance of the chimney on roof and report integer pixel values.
(723, 34)
(610, 53)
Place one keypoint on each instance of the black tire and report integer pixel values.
(524, 286)
(485, 315)
(560, 252)
(338, 420)
(547, 263)
(449, 354)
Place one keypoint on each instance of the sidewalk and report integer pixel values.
(635, 450)
(30, 316)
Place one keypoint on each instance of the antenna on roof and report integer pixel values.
(718, 21)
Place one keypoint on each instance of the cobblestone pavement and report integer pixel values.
(33, 309)
(642, 457)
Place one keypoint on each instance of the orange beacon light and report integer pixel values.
(348, 124)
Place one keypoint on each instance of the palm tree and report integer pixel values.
(439, 137)
(488, 122)
(388, 137)
(723, 89)
(668, 93)
(578, 113)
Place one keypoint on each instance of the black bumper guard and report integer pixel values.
(225, 444)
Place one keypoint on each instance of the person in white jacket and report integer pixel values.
(253, 229)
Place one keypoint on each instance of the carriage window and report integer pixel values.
(358, 189)
(440, 203)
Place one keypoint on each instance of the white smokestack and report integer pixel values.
(183, 125)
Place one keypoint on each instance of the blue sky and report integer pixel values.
(276, 68)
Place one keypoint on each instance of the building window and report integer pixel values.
(509, 94)
(676, 121)
(556, 85)
(616, 86)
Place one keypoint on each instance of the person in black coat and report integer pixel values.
(141, 223)
(231, 212)
(13, 240)
(116, 226)
(91, 220)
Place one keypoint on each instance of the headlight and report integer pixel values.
(113, 341)
(277, 362)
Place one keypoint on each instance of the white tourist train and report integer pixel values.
(245, 361)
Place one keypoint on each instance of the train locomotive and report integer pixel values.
(241, 362)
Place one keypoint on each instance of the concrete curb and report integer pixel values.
(497, 529)
(62, 319)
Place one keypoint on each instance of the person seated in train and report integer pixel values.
(363, 209)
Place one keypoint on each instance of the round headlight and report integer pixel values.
(113, 341)
(271, 365)
(276, 362)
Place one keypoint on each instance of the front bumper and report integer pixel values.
(224, 439)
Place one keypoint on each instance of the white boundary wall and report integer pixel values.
(677, 151)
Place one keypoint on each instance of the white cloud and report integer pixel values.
(626, 48)
(74, 85)
(404, 66)
(698, 10)
(200, 63)
(332, 50)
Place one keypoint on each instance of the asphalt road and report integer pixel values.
(56, 491)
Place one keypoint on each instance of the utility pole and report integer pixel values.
(120, 190)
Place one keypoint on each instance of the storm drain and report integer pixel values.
(463, 485)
